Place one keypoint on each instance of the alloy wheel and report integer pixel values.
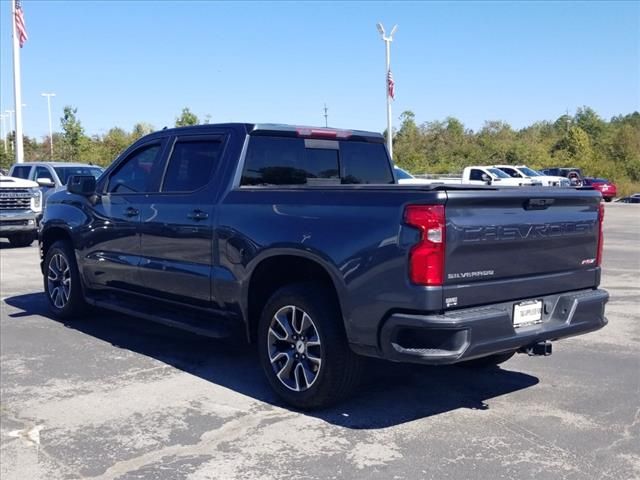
(294, 347)
(59, 280)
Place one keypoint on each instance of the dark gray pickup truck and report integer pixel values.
(301, 239)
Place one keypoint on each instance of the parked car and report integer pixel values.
(299, 238)
(605, 187)
(522, 171)
(20, 204)
(573, 174)
(635, 198)
(53, 174)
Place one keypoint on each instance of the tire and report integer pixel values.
(488, 362)
(62, 282)
(608, 199)
(22, 239)
(311, 366)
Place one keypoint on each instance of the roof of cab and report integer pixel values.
(276, 129)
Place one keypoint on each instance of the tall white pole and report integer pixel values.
(17, 90)
(387, 42)
(49, 95)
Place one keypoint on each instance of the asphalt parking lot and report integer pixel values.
(113, 397)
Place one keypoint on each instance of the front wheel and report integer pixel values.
(62, 281)
(303, 347)
(608, 199)
(22, 239)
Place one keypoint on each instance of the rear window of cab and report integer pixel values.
(274, 160)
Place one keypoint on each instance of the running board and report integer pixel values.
(213, 326)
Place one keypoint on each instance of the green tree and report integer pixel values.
(141, 129)
(186, 118)
(73, 134)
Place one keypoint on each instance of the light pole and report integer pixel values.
(388, 83)
(4, 131)
(49, 95)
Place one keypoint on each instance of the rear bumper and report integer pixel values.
(477, 332)
(17, 221)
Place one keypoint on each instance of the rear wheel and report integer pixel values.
(303, 348)
(62, 281)
(488, 362)
(608, 199)
(22, 239)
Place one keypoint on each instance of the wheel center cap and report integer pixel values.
(300, 346)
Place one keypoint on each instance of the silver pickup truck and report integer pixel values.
(20, 208)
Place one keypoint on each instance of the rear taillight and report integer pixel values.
(426, 260)
(600, 234)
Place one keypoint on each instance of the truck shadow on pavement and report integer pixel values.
(391, 394)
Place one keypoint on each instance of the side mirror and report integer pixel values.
(45, 182)
(82, 185)
(486, 178)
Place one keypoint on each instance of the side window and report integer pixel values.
(191, 165)
(365, 163)
(475, 174)
(21, 171)
(137, 173)
(511, 172)
(42, 172)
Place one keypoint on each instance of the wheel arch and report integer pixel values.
(277, 268)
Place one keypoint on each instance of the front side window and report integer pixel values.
(476, 174)
(65, 172)
(42, 172)
(137, 173)
(191, 165)
(510, 171)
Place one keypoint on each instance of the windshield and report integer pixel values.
(498, 173)
(65, 172)
(529, 172)
(402, 174)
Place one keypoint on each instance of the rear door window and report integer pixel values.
(191, 164)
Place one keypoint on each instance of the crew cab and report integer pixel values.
(522, 171)
(20, 207)
(301, 240)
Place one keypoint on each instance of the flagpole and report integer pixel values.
(17, 90)
(387, 41)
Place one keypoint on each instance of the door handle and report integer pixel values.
(131, 212)
(198, 215)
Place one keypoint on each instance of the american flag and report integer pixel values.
(391, 85)
(21, 28)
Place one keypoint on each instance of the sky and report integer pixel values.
(122, 62)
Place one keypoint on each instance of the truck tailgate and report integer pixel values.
(519, 243)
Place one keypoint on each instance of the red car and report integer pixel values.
(604, 186)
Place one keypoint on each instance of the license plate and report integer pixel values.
(527, 313)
